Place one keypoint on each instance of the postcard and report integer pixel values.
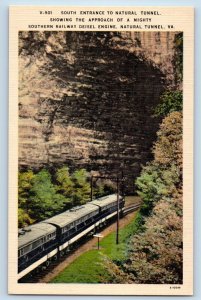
(101, 150)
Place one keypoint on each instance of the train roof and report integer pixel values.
(105, 200)
(71, 215)
(34, 232)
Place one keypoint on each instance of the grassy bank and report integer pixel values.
(89, 267)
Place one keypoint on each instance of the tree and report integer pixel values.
(163, 176)
(81, 187)
(178, 57)
(103, 187)
(168, 147)
(65, 185)
(156, 251)
(23, 218)
(169, 101)
(154, 183)
(25, 183)
(44, 199)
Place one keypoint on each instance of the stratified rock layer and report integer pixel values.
(86, 99)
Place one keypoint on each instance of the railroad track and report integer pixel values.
(129, 209)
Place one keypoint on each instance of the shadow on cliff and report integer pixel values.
(111, 92)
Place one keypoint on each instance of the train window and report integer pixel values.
(71, 225)
(27, 249)
(36, 244)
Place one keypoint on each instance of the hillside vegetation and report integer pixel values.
(156, 251)
(43, 194)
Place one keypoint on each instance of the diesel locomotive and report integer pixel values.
(45, 241)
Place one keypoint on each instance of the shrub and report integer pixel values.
(170, 101)
(23, 218)
(156, 250)
(156, 253)
(154, 183)
(168, 147)
(44, 199)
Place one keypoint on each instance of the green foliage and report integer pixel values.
(103, 187)
(87, 268)
(155, 249)
(156, 182)
(169, 101)
(44, 199)
(25, 183)
(178, 57)
(81, 191)
(64, 181)
(65, 186)
(162, 177)
(156, 253)
(42, 195)
(23, 218)
(168, 148)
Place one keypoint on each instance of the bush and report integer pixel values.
(156, 250)
(168, 148)
(23, 218)
(154, 183)
(44, 199)
(81, 187)
(170, 101)
(156, 253)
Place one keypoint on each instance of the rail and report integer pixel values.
(129, 209)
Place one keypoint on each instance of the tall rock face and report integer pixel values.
(86, 99)
(157, 48)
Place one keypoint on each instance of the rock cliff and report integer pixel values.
(86, 99)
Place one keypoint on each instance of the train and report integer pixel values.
(40, 243)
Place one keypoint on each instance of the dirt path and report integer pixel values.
(84, 248)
